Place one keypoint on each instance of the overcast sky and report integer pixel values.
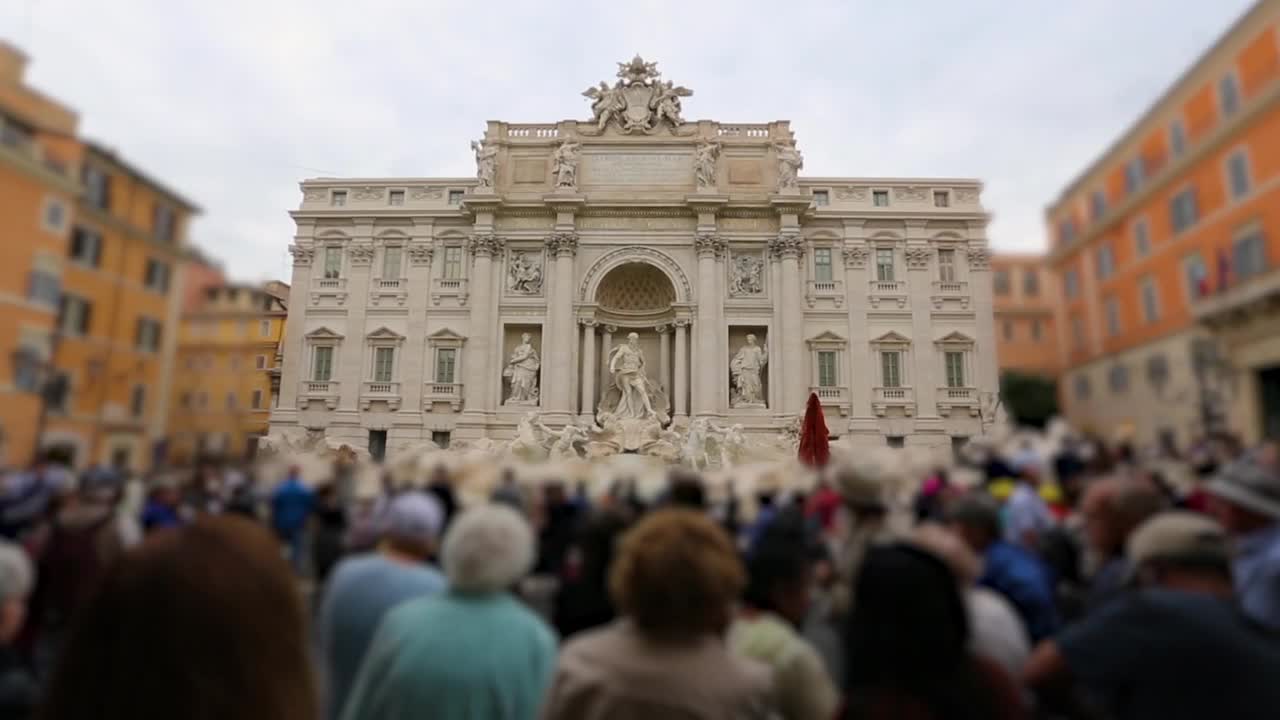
(232, 102)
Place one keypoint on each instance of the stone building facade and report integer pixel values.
(449, 308)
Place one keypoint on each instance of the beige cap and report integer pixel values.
(1179, 536)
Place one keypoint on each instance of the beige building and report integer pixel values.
(449, 308)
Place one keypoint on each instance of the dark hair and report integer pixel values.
(978, 511)
(781, 558)
(685, 490)
(202, 622)
(907, 638)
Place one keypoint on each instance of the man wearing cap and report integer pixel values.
(1245, 498)
(1112, 508)
(1177, 646)
(364, 587)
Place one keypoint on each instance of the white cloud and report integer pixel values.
(232, 103)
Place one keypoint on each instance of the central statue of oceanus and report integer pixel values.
(632, 394)
(639, 101)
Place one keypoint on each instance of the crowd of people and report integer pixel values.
(1082, 585)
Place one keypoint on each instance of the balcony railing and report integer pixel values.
(957, 397)
(825, 289)
(388, 392)
(746, 131)
(891, 291)
(950, 288)
(381, 388)
(533, 132)
(434, 392)
(449, 287)
(894, 395)
(388, 284)
(837, 396)
(324, 390)
(320, 387)
(331, 283)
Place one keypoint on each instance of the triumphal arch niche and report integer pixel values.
(636, 264)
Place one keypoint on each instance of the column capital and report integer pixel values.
(361, 253)
(707, 243)
(302, 254)
(680, 322)
(918, 256)
(562, 243)
(611, 329)
(588, 322)
(787, 244)
(662, 329)
(421, 253)
(485, 244)
(979, 257)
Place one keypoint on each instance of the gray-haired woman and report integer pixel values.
(17, 688)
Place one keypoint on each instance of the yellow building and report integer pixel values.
(39, 157)
(228, 372)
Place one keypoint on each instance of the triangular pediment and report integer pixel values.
(892, 337)
(954, 338)
(324, 333)
(446, 334)
(384, 333)
(826, 337)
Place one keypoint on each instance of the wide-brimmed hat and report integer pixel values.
(1179, 536)
(1250, 485)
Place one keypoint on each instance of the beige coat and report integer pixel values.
(615, 673)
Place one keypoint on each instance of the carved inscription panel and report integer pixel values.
(632, 168)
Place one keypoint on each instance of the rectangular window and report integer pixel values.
(821, 198)
(54, 217)
(941, 198)
(383, 358)
(880, 198)
(44, 288)
(822, 264)
(1141, 238)
(377, 444)
(1118, 378)
(1112, 309)
(86, 247)
(162, 223)
(235, 364)
(1238, 174)
(332, 262)
(1197, 275)
(1134, 170)
(452, 262)
(884, 264)
(955, 369)
(1228, 94)
(138, 401)
(338, 198)
(1077, 332)
(184, 401)
(391, 257)
(97, 187)
(1249, 255)
(395, 197)
(1066, 231)
(1006, 328)
(891, 369)
(440, 438)
(455, 197)
(157, 276)
(260, 362)
(74, 315)
(445, 358)
(255, 400)
(1071, 284)
(1030, 282)
(146, 334)
(1177, 138)
(1106, 262)
(1150, 299)
(947, 265)
(1183, 210)
(1098, 204)
(826, 368)
(264, 328)
(322, 364)
(1000, 281)
(231, 401)
(1035, 329)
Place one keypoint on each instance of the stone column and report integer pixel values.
(477, 360)
(350, 370)
(588, 369)
(664, 356)
(606, 347)
(788, 247)
(985, 364)
(926, 375)
(860, 373)
(707, 245)
(682, 369)
(557, 343)
(413, 356)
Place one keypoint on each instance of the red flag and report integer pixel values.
(815, 445)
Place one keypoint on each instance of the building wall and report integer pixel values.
(1105, 322)
(221, 343)
(33, 174)
(1025, 323)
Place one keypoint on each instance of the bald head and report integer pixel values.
(1113, 507)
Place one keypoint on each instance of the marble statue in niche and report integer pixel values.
(790, 163)
(626, 365)
(746, 275)
(704, 163)
(522, 373)
(747, 368)
(524, 275)
(564, 164)
(486, 163)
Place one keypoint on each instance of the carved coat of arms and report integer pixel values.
(640, 101)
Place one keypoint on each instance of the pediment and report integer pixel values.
(827, 338)
(324, 333)
(384, 333)
(954, 338)
(892, 338)
(446, 336)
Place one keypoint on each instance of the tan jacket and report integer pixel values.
(615, 673)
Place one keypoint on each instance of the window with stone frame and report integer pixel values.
(827, 350)
(884, 264)
(384, 360)
(322, 363)
(956, 356)
(946, 265)
(891, 354)
(392, 260)
(452, 267)
(827, 368)
(891, 368)
(822, 264)
(446, 365)
(954, 362)
(332, 262)
(383, 345)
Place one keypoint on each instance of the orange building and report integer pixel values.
(1024, 298)
(1183, 207)
(38, 160)
(228, 372)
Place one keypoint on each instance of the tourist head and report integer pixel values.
(1181, 549)
(16, 580)
(975, 518)
(676, 576)
(203, 621)
(487, 549)
(685, 489)
(1246, 495)
(780, 573)
(1112, 507)
(411, 524)
(951, 549)
(861, 485)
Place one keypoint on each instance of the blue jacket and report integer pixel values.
(291, 506)
(1025, 582)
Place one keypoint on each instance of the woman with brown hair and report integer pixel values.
(675, 581)
(200, 622)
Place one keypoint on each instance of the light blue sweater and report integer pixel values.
(456, 657)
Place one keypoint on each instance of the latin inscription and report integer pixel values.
(637, 169)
